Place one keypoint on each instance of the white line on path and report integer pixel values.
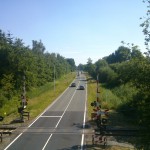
(59, 120)
(50, 116)
(13, 140)
(82, 140)
(36, 119)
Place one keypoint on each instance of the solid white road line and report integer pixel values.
(85, 109)
(13, 141)
(36, 119)
(47, 108)
(59, 120)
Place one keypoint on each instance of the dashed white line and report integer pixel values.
(47, 141)
(59, 120)
(46, 116)
(36, 119)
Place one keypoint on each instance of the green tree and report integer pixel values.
(136, 53)
(17, 61)
(90, 68)
(120, 55)
(72, 63)
(38, 47)
(145, 26)
(7, 84)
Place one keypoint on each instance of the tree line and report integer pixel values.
(127, 66)
(35, 64)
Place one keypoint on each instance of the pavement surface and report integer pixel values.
(60, 127)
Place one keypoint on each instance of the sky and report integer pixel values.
(78, 29)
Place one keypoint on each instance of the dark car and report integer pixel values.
(81, 87)
(73, 84)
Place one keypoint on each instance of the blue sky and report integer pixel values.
(76, 29)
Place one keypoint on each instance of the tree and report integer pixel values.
(136, 53)
(145, 26)
(120, 55)
(90, 68)
(89, 61)
(100, 64)
(72, 63)
(38, 47)
(17, 60)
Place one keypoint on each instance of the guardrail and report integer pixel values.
(6, 130)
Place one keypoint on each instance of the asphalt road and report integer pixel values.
(60, 126)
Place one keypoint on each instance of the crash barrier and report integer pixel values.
(6, 130)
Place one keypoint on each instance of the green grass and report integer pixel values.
(109, 98)
(91, 96)
(38, 99)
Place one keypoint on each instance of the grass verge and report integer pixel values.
(112, 99)
(38, 100)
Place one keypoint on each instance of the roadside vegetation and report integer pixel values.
(124, 87)
(34, 67)
(37, 100)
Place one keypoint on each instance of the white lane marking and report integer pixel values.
(59, 120)
(65, 109)
(85, 109)
(13, 141)
(47, 108)
(36, 119)
(47, 142)
(50, 116)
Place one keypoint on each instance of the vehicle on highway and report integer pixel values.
(73, 84)
(81, 87)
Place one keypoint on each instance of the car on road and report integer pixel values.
(73, 85)
(81, 87)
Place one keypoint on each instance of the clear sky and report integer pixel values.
(76, 29)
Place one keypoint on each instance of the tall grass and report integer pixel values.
(110, 98)
(91, 95)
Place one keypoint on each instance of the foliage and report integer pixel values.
(72, 63)
(123, 54)
(120, 55)
(127, 75)
(38, 99)
(145, 25)
(18, 61)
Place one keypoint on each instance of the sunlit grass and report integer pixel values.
(38, 104)
(107, 98)
(91, 96)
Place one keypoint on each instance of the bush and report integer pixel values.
(3, 99)
(107, 75)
